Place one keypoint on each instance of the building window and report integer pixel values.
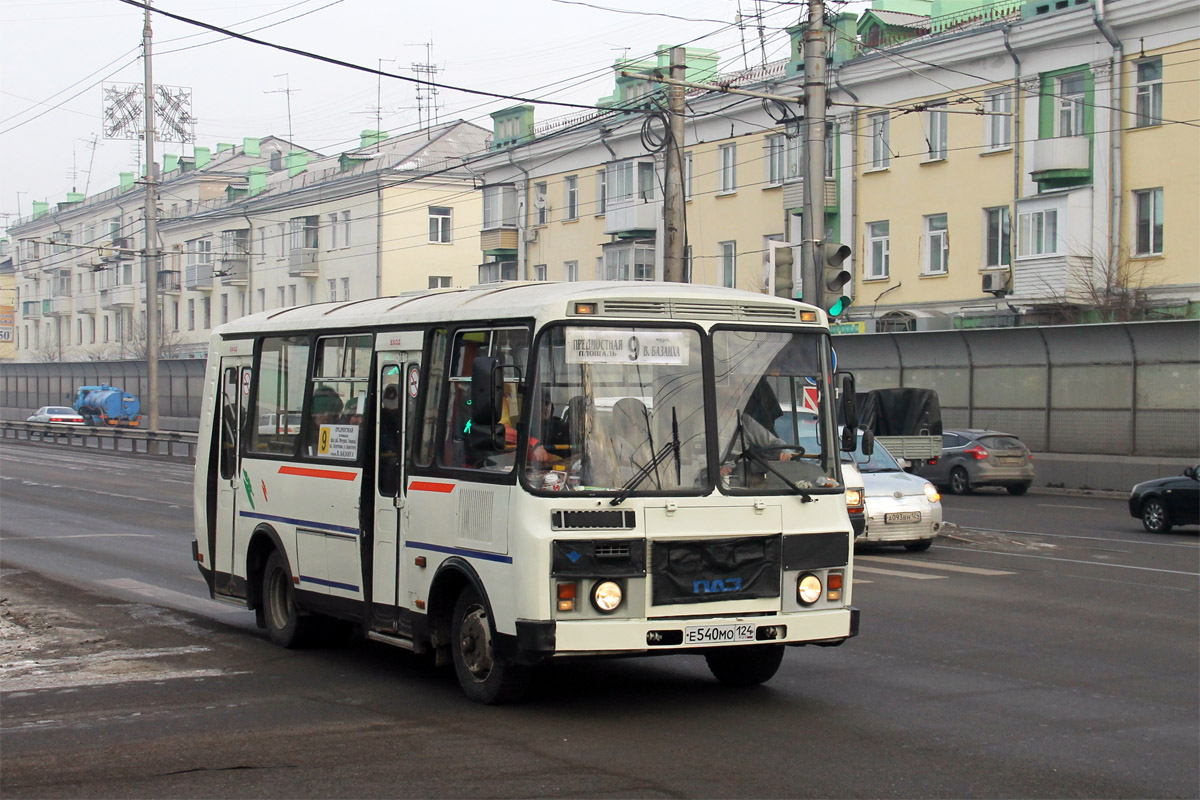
(302, 233)
(937, 245)
(645, 173)
(439, 225)
(1149, 208)
(881, 152)
(333, 231)
(346, 289)
(1037, 232)
(539, 202)
(279, 297)
(499, 207)
(728, 160)
(687, 176)
(999, 124)
(643, 263)
(206, 310)
(996, 232)
(601, 192)
(292, 295)
(1071, 104)
(174, 317)
(1148, 93)
(776, 152)
(616, 264)
(620, 182)
(879, 247)
(332, 284)
(262, 299)
(439, 282)
(191, 318)
(571, 196)
(539, 272)
(224, 308)
(570, 271)
(345, 229)
(496, 271)
(728, 264)
(936, 134)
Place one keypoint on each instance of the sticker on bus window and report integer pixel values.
(338, 441)
(598, 346)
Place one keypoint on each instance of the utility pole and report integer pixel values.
(675, 233)
(151, 251)
(812, 223)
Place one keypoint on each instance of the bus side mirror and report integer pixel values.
(849, 413)
(487, 404)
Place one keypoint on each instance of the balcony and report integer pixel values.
(793, 194)
(59, 307)
(198, 276)
(118, 297)
(234, 270)
(33, 309)
(1067, 158)
(302, 263)
(169, 281)
(632, 218)
(85, 303)
(498, 240)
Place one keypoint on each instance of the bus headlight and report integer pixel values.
(808, 589)
(606, 596)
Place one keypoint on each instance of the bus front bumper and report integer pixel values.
(539, 641)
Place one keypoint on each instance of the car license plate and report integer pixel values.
(901, 516)
(715, 634)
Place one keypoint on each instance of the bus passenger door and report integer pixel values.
(399, 380)
(231, 419)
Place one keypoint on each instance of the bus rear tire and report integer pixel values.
(484, 676)
(748, 665)
(285, 625)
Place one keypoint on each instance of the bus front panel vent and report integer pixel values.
(587, 520)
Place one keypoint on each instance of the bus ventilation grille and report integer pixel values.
(593, 520)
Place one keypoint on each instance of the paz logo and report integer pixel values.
(249, 487)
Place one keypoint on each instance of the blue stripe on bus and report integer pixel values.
(332, 584)
(324, 526)
(459, 551)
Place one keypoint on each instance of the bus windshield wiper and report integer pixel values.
(636, 479)
(748, 453)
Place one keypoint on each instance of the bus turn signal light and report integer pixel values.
(566, 597)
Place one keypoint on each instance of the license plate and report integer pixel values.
(715, 634)
(902, 516)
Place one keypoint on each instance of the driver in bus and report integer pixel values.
(758, 422)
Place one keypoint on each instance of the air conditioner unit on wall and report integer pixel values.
(995, 283)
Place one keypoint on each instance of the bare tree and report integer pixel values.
(136, 345)
(1097, 289)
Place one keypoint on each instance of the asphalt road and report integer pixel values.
(1045, 647)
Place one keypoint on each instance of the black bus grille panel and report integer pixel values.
(815, 550)
(709, 570)
(598, 558)
(593, 520)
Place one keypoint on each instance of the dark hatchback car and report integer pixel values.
(973, 457)
(1166, 502)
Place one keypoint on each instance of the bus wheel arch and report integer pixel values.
(452, 576)
(263, 542)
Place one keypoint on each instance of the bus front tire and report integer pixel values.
(285, 625)
(748, 665)
(484, 676)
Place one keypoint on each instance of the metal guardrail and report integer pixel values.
(130, 441)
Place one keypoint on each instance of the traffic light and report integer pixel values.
(782, 268)
(834, 277)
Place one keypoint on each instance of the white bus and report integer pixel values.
(513, 474)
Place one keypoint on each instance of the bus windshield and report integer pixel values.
(620, 408)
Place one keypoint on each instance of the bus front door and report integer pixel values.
(399, 382)
(234, 403)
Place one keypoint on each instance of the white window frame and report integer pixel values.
(539, 272)
(1069, 118)
(601, 192)
(571, 196)
(727, 159)
(440, 225)
(440, 282)
(333, 231)
(1037, 233)
(499, 206)
(1148, 94)
(881, 151)
(879, 250)
(776, 160)
(1148, 208)
(728, 264)
(937, 133)
(935, 256)
(1000, 220)
(345, 229)
(998, 125)
(346, 289)
(570, 271)
(540, 203)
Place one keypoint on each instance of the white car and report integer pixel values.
(901, 508)
(56, 415)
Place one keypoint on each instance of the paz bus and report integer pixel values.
(521, 473)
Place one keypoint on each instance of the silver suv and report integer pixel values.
(973, 457)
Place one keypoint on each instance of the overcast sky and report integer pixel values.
(56, 54)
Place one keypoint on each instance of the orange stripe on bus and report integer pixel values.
(427, 486)
(308, 472)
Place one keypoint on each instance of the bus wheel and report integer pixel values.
(745, 666)
(485, 677)
(285, 625)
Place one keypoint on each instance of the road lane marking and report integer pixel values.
(1057, 505)
(912, 562)
(914, 575)
(78, 489)
(1088, 563)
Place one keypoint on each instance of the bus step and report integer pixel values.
(395, 641)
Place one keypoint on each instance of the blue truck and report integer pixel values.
(107, 405)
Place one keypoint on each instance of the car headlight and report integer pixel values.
(808, 589)
(606, 596)
(931, 493)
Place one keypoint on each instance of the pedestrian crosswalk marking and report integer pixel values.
(914, 575)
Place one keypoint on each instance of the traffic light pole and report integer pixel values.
(675, 235)
(812, 223)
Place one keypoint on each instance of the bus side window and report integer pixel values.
(283, 364)
(434, 381)
(510, 346)
(389, 430)
(229, 409)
